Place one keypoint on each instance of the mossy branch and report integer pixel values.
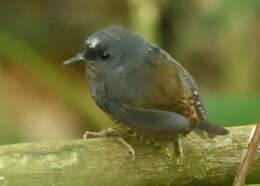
(104, 161)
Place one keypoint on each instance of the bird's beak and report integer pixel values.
(75, 59)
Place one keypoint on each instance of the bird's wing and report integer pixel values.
(190, 85)
(190, 92)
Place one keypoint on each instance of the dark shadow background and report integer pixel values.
(217, 41)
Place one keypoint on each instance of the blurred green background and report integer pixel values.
(217, 41)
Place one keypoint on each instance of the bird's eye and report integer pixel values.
(104, 55)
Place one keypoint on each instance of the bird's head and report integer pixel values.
(110, 49)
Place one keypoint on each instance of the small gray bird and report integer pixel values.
(141, 87)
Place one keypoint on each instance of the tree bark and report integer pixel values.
(105, 161)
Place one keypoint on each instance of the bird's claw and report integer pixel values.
(115, 133)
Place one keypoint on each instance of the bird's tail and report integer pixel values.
(211, 129)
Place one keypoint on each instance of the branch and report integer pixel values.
(249, 157)
(104, 161)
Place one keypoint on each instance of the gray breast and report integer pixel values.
(97, 88)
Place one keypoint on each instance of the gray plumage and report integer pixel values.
(141, 86)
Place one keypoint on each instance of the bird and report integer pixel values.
(142, 88)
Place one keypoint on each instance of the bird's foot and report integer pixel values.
(112, 132)
(128, 146)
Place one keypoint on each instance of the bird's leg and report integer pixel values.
(114, 133)
(178, 148)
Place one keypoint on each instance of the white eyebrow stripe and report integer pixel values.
(93, 43)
